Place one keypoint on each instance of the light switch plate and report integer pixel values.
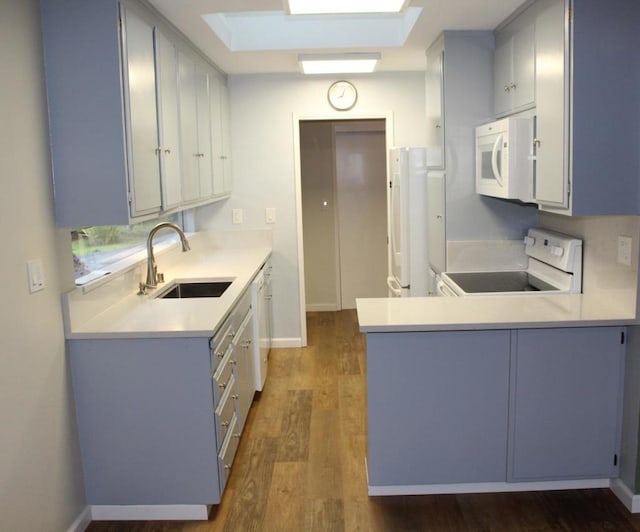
(237, 216)
(624, 250)
(270, 215)
(35, 274)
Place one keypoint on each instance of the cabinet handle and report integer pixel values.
(536, 143)
(222, 385)
(233, 362)
(158, 150)
(507, 88)
(236, 436)
(438, 126)
(514, 86)
(220, 355)
(167, 151)
(225, 423)
(268, 298)
(235, 396)
(231, 334)
(227, 467)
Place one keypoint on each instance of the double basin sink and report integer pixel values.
(190, 289)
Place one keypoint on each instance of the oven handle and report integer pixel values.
(494, 160)
(444, 290)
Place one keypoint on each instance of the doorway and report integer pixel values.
(344, 211)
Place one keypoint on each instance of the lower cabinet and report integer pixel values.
(437, 407)
(494, 406)
(159, 419)
(566, 404)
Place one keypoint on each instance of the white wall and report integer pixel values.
(41, 481)
(263, 108)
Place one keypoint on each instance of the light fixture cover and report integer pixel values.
(338, 63)
(326, 7)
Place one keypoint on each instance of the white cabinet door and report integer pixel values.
(142, 117)
(565, 410)
(514, 66)
(205, 170)
(523, 66)
(552, 167)
(502, 76)
(188, 128)
(434, 105)
(220, 124)
(167, 68)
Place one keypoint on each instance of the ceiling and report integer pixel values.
(436, 15)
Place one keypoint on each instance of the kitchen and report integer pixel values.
(35, 362)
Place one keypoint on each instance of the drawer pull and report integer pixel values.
(236, 436)
(227, 467)
(225, 423)
(235, 396)
(222, 385)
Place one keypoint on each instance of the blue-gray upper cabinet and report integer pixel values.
(587, 86)
(514, 65)
(101, 82)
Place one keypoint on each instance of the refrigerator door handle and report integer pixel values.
(394, 286)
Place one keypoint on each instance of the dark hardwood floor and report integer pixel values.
(300, 464)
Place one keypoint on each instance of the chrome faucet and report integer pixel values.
(152, 268)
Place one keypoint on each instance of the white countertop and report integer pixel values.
(491, 312)
(132, 316)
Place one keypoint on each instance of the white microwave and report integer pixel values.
(504, 159)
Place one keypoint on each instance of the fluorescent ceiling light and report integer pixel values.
(338, 63)
(325, 7)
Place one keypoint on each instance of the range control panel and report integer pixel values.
(556, 249)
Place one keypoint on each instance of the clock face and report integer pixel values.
(342, 95)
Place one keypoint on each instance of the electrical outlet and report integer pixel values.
(624, 250)
(36, 275)
(237, 216)
(270, 215)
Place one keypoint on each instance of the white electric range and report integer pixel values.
(554, 267)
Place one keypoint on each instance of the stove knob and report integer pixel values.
(557, 251)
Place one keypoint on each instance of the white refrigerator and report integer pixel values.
(408, 261)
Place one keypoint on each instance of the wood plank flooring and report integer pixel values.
(300, 464)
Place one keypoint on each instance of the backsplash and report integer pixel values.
(602, 276)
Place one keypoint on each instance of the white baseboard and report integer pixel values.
(626, 496)
(321, 307)
(168, 512)
(286, 342)
(82, 522)
(489, 487)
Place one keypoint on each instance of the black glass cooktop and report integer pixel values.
(481, 282)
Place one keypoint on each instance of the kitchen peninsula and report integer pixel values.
(493, 393)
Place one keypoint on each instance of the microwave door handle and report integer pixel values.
(494, 161)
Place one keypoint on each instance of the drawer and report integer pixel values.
(222, 375)
(224, 412)
(221, 341)
(228, 453)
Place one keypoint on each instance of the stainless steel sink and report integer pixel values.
(181, 290)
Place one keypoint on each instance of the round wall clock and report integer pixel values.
(342, 95)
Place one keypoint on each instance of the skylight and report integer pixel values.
(327, 7)
(275, 30)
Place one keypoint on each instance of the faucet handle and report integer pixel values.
(159, 277)
(142, 289)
